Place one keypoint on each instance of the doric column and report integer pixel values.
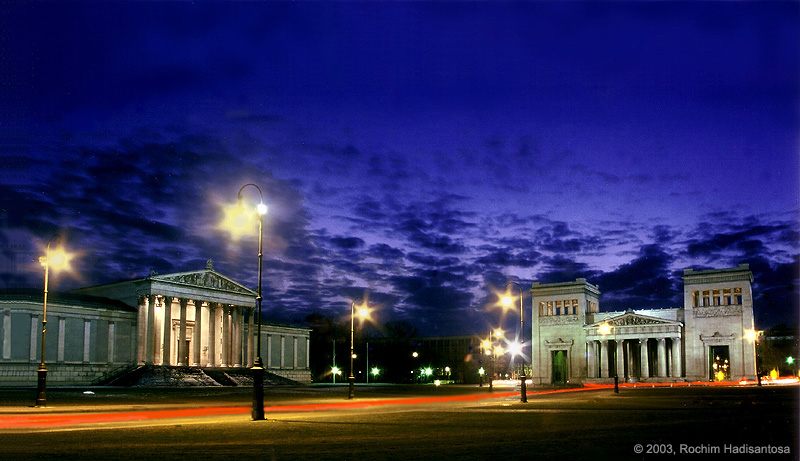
(677, 370)
(150, 333)
(167, 341)
(269, 351)
(182, 352)
(662, 357)
(645, 365)
(294, 352)
(605, 371)
(251, 343)
(236, 324)
(211, 358)
(226, 337)
(590, 359)
(620, 362)
(197, 333)
(629, 345)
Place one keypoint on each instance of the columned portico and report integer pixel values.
(209, 333)
(632, 335)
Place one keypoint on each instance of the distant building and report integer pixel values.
(198, 319)
(710, 337)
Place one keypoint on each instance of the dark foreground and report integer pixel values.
(664, 423)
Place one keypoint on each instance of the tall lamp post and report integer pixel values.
(363, 314)
(58, 259)
(508, 301)
(237, 220)
(604, 329)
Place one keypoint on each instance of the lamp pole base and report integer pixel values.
(523, 389)
(41, 386)
(257, 412)
(351, 387)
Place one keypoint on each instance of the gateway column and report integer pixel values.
(645, 365)
(605, 371)
(590, 359)
(662, 358)
(620, 362)
(676, 358)
(236, 324)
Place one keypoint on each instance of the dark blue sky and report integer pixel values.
(424, 153)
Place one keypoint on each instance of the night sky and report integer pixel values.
(422, 154)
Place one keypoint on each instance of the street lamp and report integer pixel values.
(508, 301)
(753, 336)
(58, 259)
(605, 329)
(238, 219)
(363, 313)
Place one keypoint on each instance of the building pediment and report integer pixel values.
(632, 319)
(204, 279)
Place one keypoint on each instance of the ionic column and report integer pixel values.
(165, 345)
(590, 359)
(662, 357)
(620, 371)
(211, 359)
(182, 352)
(196, 333)
(676, 358)
(236, 324)
(251, 343)
(226, 337)
(605, 372)
(645, 365)
(150, 332)
(631, 363)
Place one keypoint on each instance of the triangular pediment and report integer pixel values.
(632, 318)
(208, 279)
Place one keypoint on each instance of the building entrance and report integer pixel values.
(559, 371)
(719, 363)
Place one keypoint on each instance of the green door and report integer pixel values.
(559, 372)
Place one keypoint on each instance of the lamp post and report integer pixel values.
(237, 220)
(363, 314)
(59, 259)
(507, 302)
(604, 329)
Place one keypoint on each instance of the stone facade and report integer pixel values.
(198, 319)
(705, 339)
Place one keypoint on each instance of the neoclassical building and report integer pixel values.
(709, 337)
(198, 319)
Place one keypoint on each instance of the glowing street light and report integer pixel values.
(375, 372)
(363, 311)
(753, 336)
(507, 301)
(59, 260)
(239, 220)
(605, 329)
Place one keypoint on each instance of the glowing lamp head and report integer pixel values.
(604, 329)
(507, 301)
(415, 354)
(362, 312)
(238, 220)
(376, 371)
(261, 209)
(790, 360)
(336, 371)
(499, 333)
(57, 259)
(481, 371)
(515, 348)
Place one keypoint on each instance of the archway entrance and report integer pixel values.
(719, 363)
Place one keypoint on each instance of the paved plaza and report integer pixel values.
(390, 422)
